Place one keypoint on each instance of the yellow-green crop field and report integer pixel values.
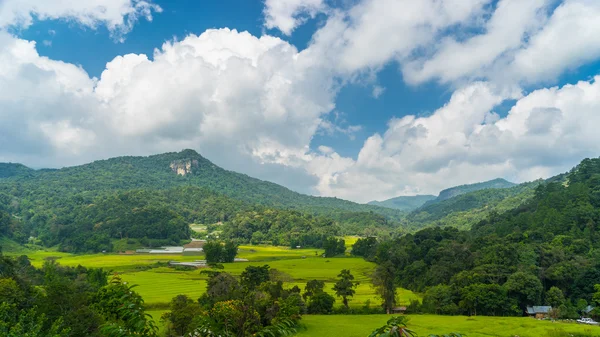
(423, 325)
(159, 284)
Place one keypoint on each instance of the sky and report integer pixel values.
(358, 99)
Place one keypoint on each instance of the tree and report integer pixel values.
(365, 247)
(219, 252)
(321, 303)
(344, 287)
(555, 297)
(312, 288)
(440, 300)
(254, 276)
(212, 251)
(385, 285)
(131, 319)
(221, 287)
(596, 295)
(230, 250)
(525, 287)
(334, 246)
(182, 314)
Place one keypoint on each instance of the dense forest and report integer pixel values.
(543, 252)
(154, 199)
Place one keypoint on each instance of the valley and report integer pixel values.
(471, 260)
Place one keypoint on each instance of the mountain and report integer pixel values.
(155, 198)
(8, 170)
(404, 203)
(185, 168)
(464, 210)
(462, 189)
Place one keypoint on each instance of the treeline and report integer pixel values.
(544, 252)
(57, 301)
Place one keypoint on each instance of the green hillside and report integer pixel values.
(8, 170)
(464, 210)
(542, 252)
(404, 203)
(160, 172)
(155, 198)
(462, 189)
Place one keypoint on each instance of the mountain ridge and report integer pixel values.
(404, 203)
(164, 170)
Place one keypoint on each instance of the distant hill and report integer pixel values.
(404, 203)
(8, 170)
(466, 209)
(462, 189)
(82, 208)
(185, 168)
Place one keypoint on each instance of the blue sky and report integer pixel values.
(355, 104)
(362, 99)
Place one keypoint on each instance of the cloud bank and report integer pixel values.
(255, 104)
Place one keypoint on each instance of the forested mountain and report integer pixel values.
(464, 210)
(186, 168)
(404, 203)
(462, 189)
(543, 252)
(155, 198)
(8, 170)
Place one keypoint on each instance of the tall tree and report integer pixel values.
(344, 287)
(384, 282)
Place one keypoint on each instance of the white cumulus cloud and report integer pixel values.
(286, 15)
(119, 16)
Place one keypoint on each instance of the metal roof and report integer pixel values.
(538, 309)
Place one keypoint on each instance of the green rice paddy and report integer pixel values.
(158, 284)
(423, 325)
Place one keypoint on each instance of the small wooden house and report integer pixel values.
(539, 311)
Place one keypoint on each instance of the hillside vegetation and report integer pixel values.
(155, 198)
(404, 203)
(543, 252)
(465, 210)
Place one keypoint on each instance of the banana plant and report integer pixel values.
(395, 327)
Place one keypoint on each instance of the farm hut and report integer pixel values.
(538, 311)
(398, 310)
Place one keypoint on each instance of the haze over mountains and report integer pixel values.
(410, 203)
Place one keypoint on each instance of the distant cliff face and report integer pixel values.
(184, 167)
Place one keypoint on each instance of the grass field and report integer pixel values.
(361, 326)
(159, 285)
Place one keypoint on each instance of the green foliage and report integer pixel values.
(129, 319)
(404, 203)
(345, 286)
(334, 246)
(465, 209)
(395, 327)
(254, 276)
(365, 247)
(219, 252)
(255, 306)
(82, 208)
(385, 285)
(320, 303)
(57, 301)
(543, 251)
(183, 311)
